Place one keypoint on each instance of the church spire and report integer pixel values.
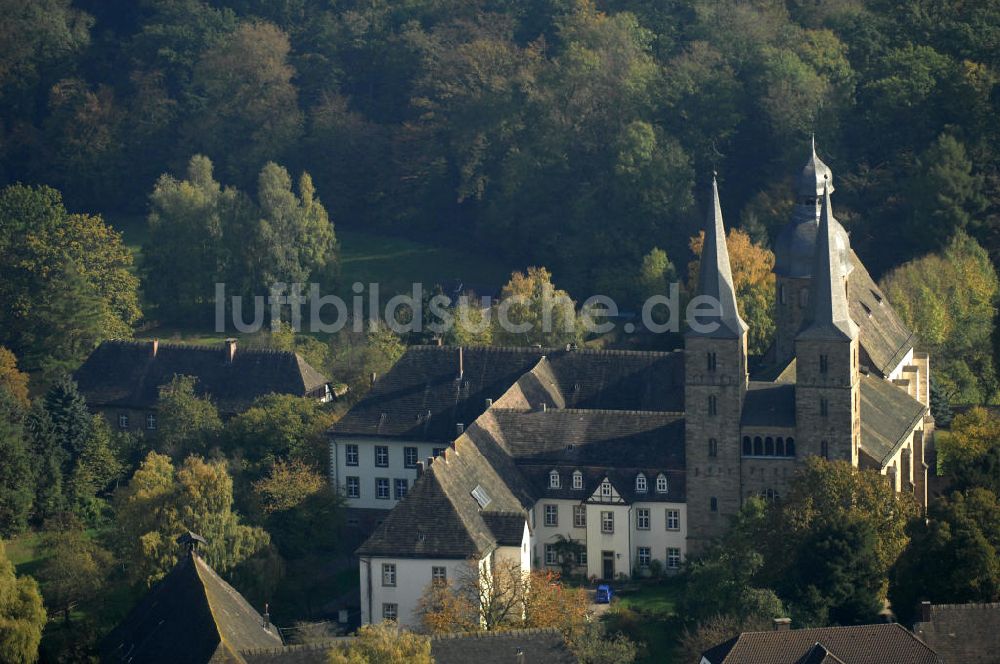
(715, 278)
(831, 318)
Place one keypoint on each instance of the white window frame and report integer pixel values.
(388, 575)
(351, 454)
(605, 489)
(673, 515)
(123, 420)
(396, 484)
(439, 574)
(551, 512)
(551, 557)
(579, 516)
(642, 518)
(641, 486)
(554, 481)
(407, 453)
(390, 611)
(577, 480)
(673, 557)
(608, 522)
(379, 483)
(352, 486)
(150, 421)
(661, 484)
(643, 556)
(379, 451)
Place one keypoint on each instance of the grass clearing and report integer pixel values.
(647, 613)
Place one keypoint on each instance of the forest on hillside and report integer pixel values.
(569, 133)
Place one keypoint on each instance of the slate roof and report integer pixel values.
(859, 644)
(769, 405)
(831, 317)
(440, 518)
(422, 397)
(425, 381)
(125, 374)
(621, 477)
(715, 276)
(589, 437)
(884, 337)
(536, 646)
(963, 633)
(190, 615)
(888, 415)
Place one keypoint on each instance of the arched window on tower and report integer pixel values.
(790, 447)
(747, 446)
(713, 405)
(758, 446)
(823, 407)
(824, 449)
(713, 447)
(768, 446)
(779, 446)
(710, 360)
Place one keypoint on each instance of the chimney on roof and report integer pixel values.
(489, 402)
(438, 341)
(782, 624)
(520, 656)
(230, 350)
(461, 363)
(372, 379)
(267, 617)
(420, 469)
(925, 611)
(459, 428)
(155, 347)
(545, 407)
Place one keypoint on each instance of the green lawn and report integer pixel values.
(647, 613)
(396, 264)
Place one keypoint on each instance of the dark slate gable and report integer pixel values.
(962, 633)
(859, 644)
(423, 398)
(191, 615)
(125, 374)
(769, 404)
(621, 477)
(590, 437)
(440, 518)
(888, 414)
(536, 646)
(620, 380)
(884, 337)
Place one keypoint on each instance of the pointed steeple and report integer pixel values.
(715, 278)
(831, 318)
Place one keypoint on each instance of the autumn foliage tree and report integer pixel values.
(499, 595)
(384, 643)
(22, 615)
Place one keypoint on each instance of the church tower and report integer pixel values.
(715, 370)
(827, 390)
(794, 252)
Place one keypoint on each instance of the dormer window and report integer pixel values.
(554, 482)
(577, 479)
(640, 483)
(661, 483)
(605, 489)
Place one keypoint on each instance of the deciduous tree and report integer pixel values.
(188, 423)
(22, 615)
